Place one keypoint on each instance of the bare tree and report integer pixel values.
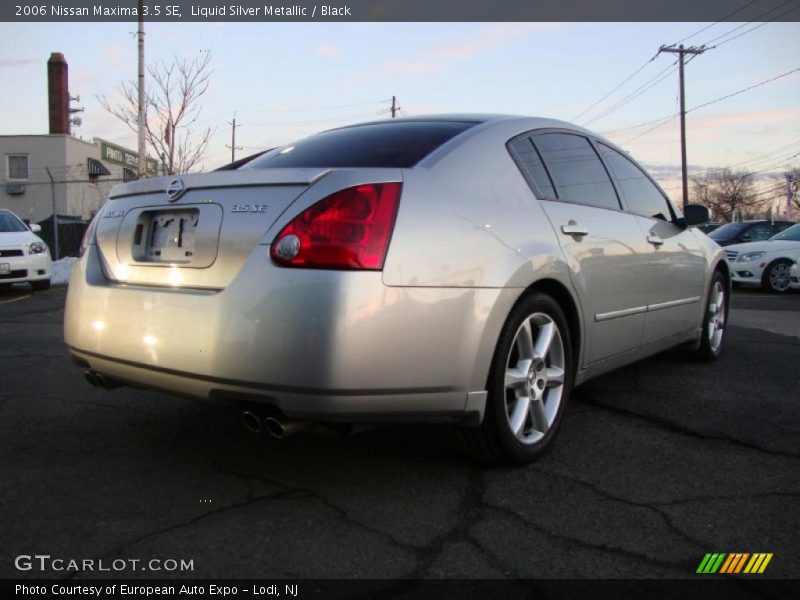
(173, 108)
(726, 193)
(795, 183)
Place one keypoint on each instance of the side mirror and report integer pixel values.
(695, 214)
(36, 228)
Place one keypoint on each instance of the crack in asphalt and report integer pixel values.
(470, 510)
(677, 428)
(37, 311)
(312, 494)
(723, 498)
(469, 506)
(31, 355)
(249, 500)
(651, 506)
(616, 550)
(771, 342)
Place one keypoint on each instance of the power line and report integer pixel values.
(285, 110)
(624, 81)
(737, 28)
(767, 155)
(312, 122)
(725, 18)
(652, 82)
(663, 120)
(747, 89)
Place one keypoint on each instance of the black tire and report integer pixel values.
(708, 349)
(767, 281)
(40, 285)
(494, 441)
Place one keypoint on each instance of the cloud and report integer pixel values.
(84, 79)
(760, 119)
(411, 68)
(482, 40)
(500, 34)
(326, 49)
(19, 62)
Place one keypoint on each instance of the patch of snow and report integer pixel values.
(62, 270)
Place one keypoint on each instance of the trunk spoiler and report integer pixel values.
(237, 178)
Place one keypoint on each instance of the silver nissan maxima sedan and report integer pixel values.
(467, 269)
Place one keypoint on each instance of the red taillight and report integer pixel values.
(88, 235)
(349, 229)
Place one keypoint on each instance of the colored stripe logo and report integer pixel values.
(734, 563)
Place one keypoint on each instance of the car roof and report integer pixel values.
(525, 122)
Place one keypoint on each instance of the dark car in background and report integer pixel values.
(747, 231)
(709, 227)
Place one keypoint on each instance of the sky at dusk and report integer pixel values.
(288, 80)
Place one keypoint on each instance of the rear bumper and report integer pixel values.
(315, 344)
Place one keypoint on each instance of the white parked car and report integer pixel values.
(24, 257)
(766, 263)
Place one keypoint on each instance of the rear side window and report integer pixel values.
(400, 145)
(641, 195)
(531, 163)
(575, 169)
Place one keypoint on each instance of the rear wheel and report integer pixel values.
(41, 285)
(529, 384)
(776, 276)
(715, 319)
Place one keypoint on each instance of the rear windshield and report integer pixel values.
(400, 144)
(728, 231)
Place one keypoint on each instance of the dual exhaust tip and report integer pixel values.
(260, 420)
(99, 380)
(255, 418)
(274, 426)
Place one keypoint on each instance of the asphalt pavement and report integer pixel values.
(656, 465)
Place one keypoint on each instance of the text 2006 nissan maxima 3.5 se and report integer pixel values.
(468, 269)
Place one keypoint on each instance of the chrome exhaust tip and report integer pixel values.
(252, 421)
(99, 380)
(282, 428)
(90, 378)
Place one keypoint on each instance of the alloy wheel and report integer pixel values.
(716, 316)
(534, 378)
(779, 277)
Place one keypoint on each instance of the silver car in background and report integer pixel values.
(466, 269)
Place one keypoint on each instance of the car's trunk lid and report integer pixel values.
(193, 230)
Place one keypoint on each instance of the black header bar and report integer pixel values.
(401, 10)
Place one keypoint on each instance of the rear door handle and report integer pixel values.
(654, 239)
(574, 229)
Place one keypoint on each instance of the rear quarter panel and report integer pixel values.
(470, 220)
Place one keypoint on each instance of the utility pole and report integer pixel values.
(789, 195)
(142, 107)
(395, 108)
(233, 145)
(681, 52)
